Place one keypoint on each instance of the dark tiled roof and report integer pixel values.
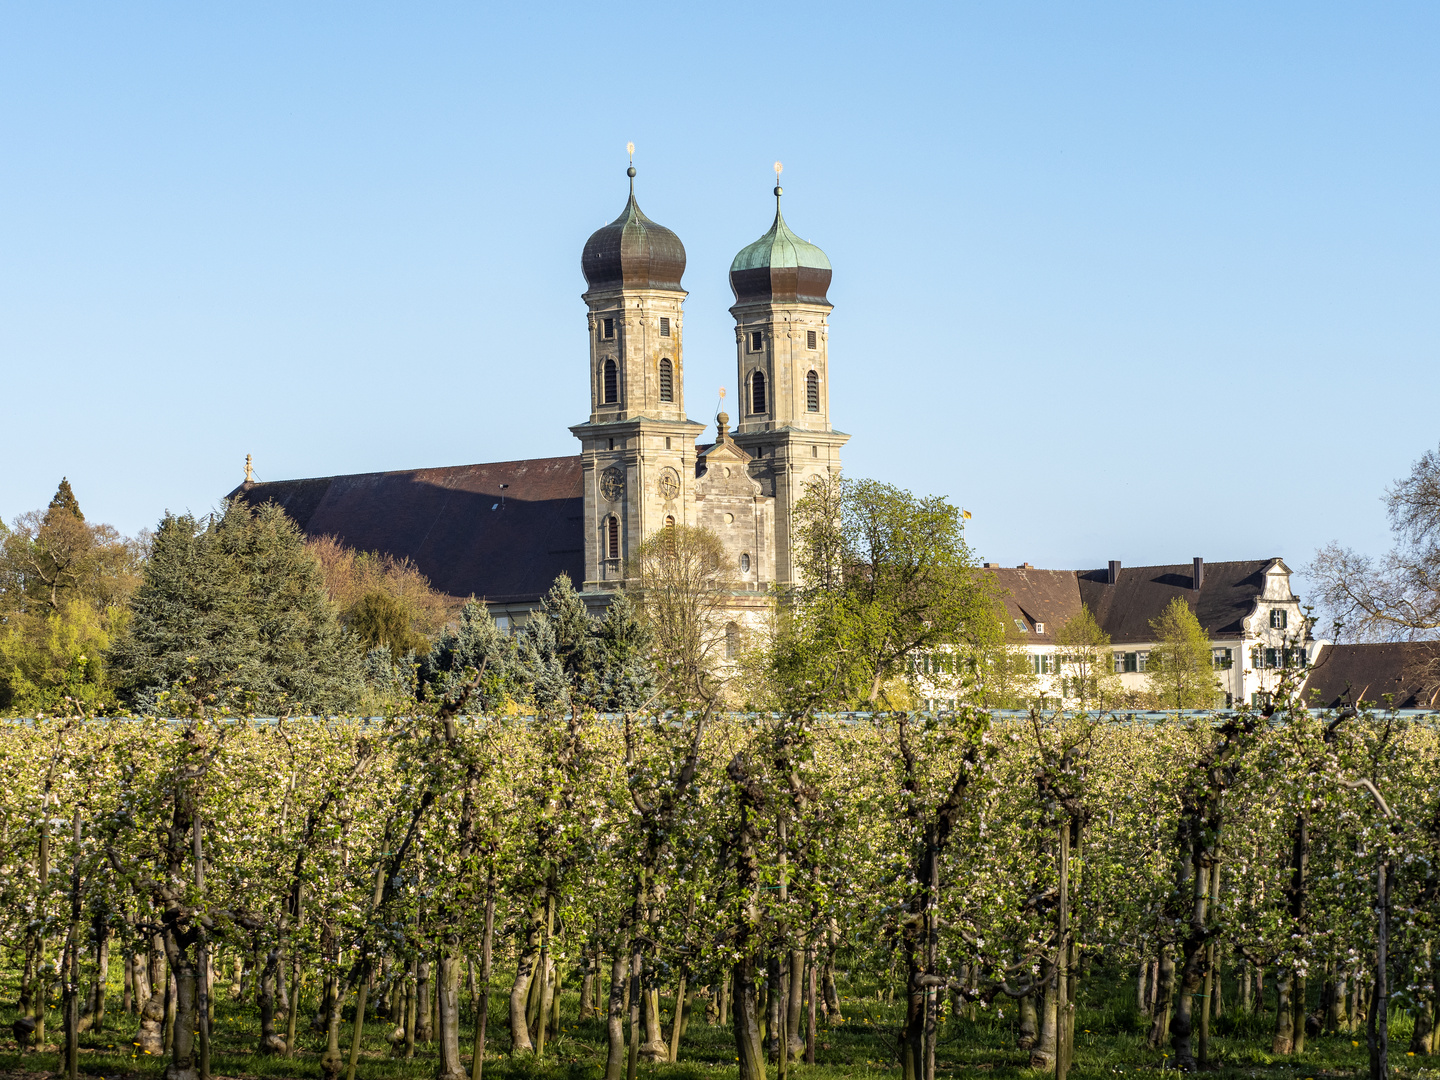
(1039, 596)
(444, 521)
(1228, 593)
(1350, 673)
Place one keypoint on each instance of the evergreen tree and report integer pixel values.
(544, 678)
(474, 646)
(189, 619)
(64, 502)
(625, 676)
(236, 607)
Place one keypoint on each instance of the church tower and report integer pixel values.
(637, 449)
(781, 339)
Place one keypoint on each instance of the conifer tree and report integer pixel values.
(236, 606)
(475, 645)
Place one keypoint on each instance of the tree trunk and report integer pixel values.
(746, 1021)
(1164, 998)
(1424, 1016)
(1042, 1054)
(424, 1029)
(266, 991)
(615, 1014)
(677, 1022)
(1284, 1040)
(183, 1061)
(487, 945)
(1379, 1028)
(524, 974)
(1029, 1032)
(793, 1026)
(450, 1067)
(653, 1047)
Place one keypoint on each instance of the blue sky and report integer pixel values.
(1126, 280)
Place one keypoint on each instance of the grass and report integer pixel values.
(1110, 1042)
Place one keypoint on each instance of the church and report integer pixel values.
(503, 532)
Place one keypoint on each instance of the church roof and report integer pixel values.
(780, 266)
(633, 252)
(501, 532)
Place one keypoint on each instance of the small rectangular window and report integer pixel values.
(1140, 659)
(667, 442)
(1039, 628)
(664, 326)
(810, 339)
(1221, 659)
(757, 340)
(1279, 618)
(608, 328)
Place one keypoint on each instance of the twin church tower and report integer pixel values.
(504, 531)
(641, 465)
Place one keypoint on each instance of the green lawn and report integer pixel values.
(1109, 1041)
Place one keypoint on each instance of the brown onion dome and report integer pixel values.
(633, 252)
(780, 267)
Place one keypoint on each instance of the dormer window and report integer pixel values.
(757, 340)
(1039, 628)
(664, 326)
(607, 328)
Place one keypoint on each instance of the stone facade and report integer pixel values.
(643, 468)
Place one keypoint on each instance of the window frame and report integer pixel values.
(812, 391)
(664, 325)
(609, 382)
(666, 380)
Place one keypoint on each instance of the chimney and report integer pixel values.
(1197, 576)
(1024, 566)
(1114, 575)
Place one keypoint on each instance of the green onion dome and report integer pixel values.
(780, 267)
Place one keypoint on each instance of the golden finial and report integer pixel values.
(249, 469)
(630, 149)
(778, 190)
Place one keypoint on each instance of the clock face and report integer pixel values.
(669, 484)
(612, 483)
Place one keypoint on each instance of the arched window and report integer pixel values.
(732, 641)
(667, 380)
(669, 521)
(611, 380)
(812, 392)
(757, 392)
(612, 538)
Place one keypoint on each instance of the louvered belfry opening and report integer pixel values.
(612, 539)
(757, 392)
(612, 383)
(667, 380)
(812, 392)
